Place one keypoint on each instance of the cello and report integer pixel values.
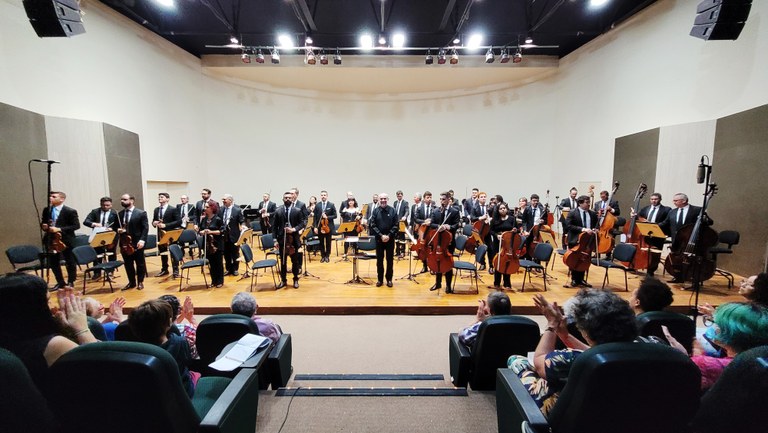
(633, 236)
(440, 259)
(579, 257)
(507, 259)
(605, 225)
(688, 259)
(482, 228)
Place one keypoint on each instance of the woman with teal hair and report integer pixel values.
(738, 326)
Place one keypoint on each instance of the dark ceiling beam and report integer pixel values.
(307, 15)
(447, 14)
(547, 16)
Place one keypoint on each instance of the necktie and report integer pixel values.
(54, 214)
(573, 204)
(483, 208)
(103, 219)
(324, 207)
(162, 212)
(398, 208)
(680, 216)
(585, 219)
(652, 217)
(226, 216)
(128, 217)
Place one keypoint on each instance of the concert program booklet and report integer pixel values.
(245, 348)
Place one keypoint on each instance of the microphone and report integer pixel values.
(700, 172)
(49, 161)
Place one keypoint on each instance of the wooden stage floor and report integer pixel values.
(327, 292)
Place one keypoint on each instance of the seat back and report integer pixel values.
(151, 396)
(256, 226)
(680, 326)
(467, 230)
(267, 242)
(461, 242)
(624, 252)
(80, 240)
(84, 254)
(497, 339)
(480, 252)
(628, 387)
(151, 242)
(22, 254)
(176, 252)
(367, 245)
(542, 252)
(733, 403)
(22, 407)
(215, 332)
(247, 252)
(187, 236)
(729, 237)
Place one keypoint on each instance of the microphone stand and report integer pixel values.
(46, 257)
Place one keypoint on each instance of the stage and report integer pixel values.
(326, 291)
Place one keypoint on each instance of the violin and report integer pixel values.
(324, 228)
(633, 236)
(210, 244)
(507, 259)
(439, 259)
(126, 244)
(53, 239)
(605, 225)
(290, 248)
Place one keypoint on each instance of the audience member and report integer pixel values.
(738, 326)
(31, 331)
(652, 295)
(244, 303)
(187, 312)
(111, 319)
(150, 323)
(601, 316)
(754, 289)
(498, 304)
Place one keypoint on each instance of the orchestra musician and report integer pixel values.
(312, 204)
(368, 211)
(482, 212)
(412, 213)
(500, 223)
(266, 209)
(445, 217)
(402, 210)
(210, 227)
(298, 204)
(166, 217)
(566, 205)
(324, 210)
(384, 224)
(681, 215)
(102, 216)
(534, 213)
(234, 222)
(135, 223)
(423, 216)
(205, 195)
(603, 206)
(63, 220)
(580, 220)
(290, 220)
(654, 213)
(470, 203)
(189, 215)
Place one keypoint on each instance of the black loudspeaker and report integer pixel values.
(54, 18)
(720, 19)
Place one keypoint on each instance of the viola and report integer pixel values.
(606, 224)
(579, 257)
(126, 244)
(324, 228)
(440, 260)
(210, 245)
(290, 249)
(55, 243)
(507, 259)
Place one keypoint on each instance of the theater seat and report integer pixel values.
(22, 408)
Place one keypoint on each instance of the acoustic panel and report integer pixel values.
(634, 162)
(123, 164)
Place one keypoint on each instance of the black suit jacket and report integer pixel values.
(661, 213)
(232, 227)
(670, 226)
(613, 203)
(404, 209)
(575, 225)
(477, 212)
(422, 214)
(271, 208)
(330, 212)
(67, 221)
(303, 207)
(192, 215)
(566, 202)
(528, 214)
(171, 218)
(297, 220)
(451, 217)
(384, 222)
(94, 216)
(138, 226)
(412, 214)
(199, 208)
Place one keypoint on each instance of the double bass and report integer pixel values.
(688, 259)
(606, 223)
(633, 236)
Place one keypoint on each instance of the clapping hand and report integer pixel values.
(115, 313)
(551, 312)
(71, 312)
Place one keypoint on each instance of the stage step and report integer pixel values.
(378, 385)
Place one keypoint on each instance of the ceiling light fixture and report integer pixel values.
(323, 58)
(518, 57)
(474, 41)
(504, 58)
(429, 59)
(597, 3)
(308, 40)
(259, 57)
(454, 57)
(245, 57)
(382, 40)
(166, 3)
(489, 57)
(441, 57)
(285, 41)
(456, 40)
(234, 40)
(398, 40)
(337, 58)
(528, 39)
(275, 56)
(366, 42)
(310, 57)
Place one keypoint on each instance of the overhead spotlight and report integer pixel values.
(337, 58)
(398, 40)
(285, 41)
(518, 57)
(323, 58)
(456, 40)
(441, 57)
(308, 40)
(310, 58)
(275, 56)
(597, 3)
(429, 59)
(366, 41)
(259, 57)
(489, 58)
(454, 57)
(245, 57)
(475, 40)
(528, 39)
(234, 40)
(382, 40)
(504, 58)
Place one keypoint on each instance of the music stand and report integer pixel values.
(245, 235)
(344, 229)
(303, 237)
(101, 237)
(649, 231)
(354, 240)
(409, 240)
(169, 237)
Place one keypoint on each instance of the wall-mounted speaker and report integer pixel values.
(54, 18)
(720, 19)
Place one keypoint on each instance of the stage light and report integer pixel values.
(474, 41)
(441, 57)
(323, 58)
(382, 40)
(234, 40)
(285, 41)
(597, 3)
(489, 58)
(275, 56)
(398, 40)
(308, 40)
(310, 58)
(245, 57)
(528, 39)
(429, 59)
(366, 42)
(337, 58)
(518, 57)
(259, 57)
(454, 57)
(456, 40)
(504, 58)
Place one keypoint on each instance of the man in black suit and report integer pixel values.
(289, 220)
(63, 220)
(681, 215)
(234, 223)
(266, 209)
(604, 205)
(470, 203)
(567, 205)
(384, 225)
(445, 217)
(102, 216)
(205, 195)
(533, 214)
(166, 217)
(324, 209)
(187, 212)
(482, 212)
(136, 224)
(412, 214)
(654, 213)
(580, 220)
(401, 209)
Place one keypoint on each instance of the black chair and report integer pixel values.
(311, 244)
(729, 238)
(471, 267)
(150, 246)
(24, 258)
(497, 339)
(680, 326)
(614, 387)
(256, 266)
(178, 255)
(256, 227)
(461, 243)
(188, 238)
(85, 255)
(151, 397)
(23, 408)
(734, 403)
(621, 253)
(80, 240)
(269, 246)
(542, 253)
